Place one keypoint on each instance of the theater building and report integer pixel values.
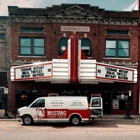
(74, 50)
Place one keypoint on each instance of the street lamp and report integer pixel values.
(127, 115)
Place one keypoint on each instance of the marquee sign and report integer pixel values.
(90, 70)
(29, 72)
(116, 73)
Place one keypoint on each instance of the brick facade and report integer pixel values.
(5, 44)
(5, 53)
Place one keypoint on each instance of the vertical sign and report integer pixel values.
(115, 104)
(5, 90)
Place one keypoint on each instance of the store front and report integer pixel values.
(114, 97)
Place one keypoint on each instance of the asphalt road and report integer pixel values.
(98, 130)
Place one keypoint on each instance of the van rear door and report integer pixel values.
(96, 107)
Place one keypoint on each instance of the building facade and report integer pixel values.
(108, 37)
(4, 57)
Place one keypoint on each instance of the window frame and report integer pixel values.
(95, 102)
(117, 48)
(117, 32)
(60, 45)
(32, 46)
(86, 39)
(31, 30)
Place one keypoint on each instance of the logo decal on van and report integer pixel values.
(39, 114)
(56, 114)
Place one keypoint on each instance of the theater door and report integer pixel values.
(106, 96)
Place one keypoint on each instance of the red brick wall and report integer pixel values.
(53, 34)
(133, 42)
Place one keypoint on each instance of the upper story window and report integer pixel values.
(63, 45)
(2, 36)
(117, 48)
(117, 32)
(86, 46)
(30, 46)
(3, 79)
(32, 30)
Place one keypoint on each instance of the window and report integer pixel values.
(32, 46)
(122, 102)
(2, 98)
(32, 30)
(86, 46)
(2, 36)
(3, 79)
(117, 32)
(95, 95)
(63, 45)
(96, 102)
(117, 48)
(52, 94)
(39, 103)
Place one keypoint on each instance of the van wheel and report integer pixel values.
(27, 120)
(75, 120)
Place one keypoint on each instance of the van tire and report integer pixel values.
(75, 120)
(27, 120)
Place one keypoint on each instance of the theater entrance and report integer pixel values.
(106, 102)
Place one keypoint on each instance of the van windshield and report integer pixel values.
(39, 103)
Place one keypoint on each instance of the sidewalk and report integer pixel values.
(119, 118)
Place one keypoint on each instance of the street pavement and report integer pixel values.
(114, 127)
(12, 130)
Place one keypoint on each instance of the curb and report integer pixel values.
(118, 120)
(7, 118)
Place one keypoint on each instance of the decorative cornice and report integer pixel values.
(76, 20)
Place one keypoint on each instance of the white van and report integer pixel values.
(68, 108)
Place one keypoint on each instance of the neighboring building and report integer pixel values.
(4, 57)
(139, 56)
(107, 37)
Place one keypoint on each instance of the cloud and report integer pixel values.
(21, 3)
(30, 3)
(48, 3)
(133, 6)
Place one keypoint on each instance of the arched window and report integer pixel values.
(86, 46)
(63, 45)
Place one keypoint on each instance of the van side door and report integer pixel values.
(96, 107)
(38, 109)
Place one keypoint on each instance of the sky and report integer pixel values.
(115, 5)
